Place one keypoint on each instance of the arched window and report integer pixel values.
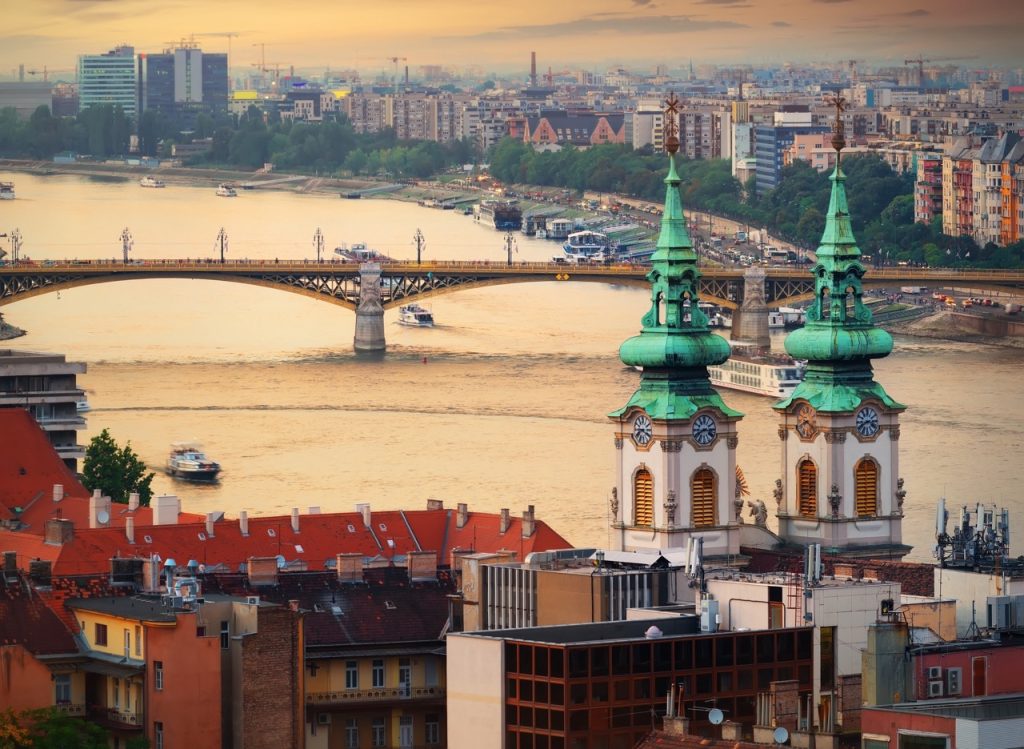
(866, 480)
(643, 498)
(826, 304)
(702, 498)
(807, 488)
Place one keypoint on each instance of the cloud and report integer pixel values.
(643, 3)
(726, 3)
(917, 13)
(832, 2)
(781, 24)
(603, 24)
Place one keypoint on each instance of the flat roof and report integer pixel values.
(143, 609)
(590, 632)
(998, 707)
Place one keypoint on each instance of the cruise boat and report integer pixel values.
(150, 182)
(589, 247)
(6, 191)
(416, 316)
(188, 461)
(501, 214)
(226, 191)
(359, 253)
(755, 370)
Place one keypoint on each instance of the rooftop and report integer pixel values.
(582, 634)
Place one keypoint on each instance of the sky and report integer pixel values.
(487, 35)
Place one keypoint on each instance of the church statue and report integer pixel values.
(670, 508)
(834, 498)
(901, 494)
(738, 512)
(759, 512)
(777, 492)
(614, 502)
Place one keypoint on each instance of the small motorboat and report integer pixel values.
(188, 461)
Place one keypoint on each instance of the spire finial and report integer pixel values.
(671, 111)
(838, 128)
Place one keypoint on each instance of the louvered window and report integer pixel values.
(866, 475)
(643, 498)
(702, 498)
(807, 484)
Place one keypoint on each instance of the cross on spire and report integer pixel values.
(838, 127)
(671, 112)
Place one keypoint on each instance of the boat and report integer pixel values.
(415, 316)
(589, 247)
(6, 191)
(501, 214)
(360, 253)
(226, 191)
(754, 370)
(188, 461)
(150, 182)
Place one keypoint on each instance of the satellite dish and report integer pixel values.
(780, 736)
(103, 517)
(716, 716)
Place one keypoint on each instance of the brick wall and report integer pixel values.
(271, 683)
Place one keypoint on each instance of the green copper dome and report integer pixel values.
(839, 338)
(675, 345)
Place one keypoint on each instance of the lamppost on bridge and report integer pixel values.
(510, 246)
(222, 241)
(126, 243)
(15, 244)
(3, 252)
(318, 243)
(421, 243)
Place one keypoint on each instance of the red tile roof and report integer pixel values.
(26, 620)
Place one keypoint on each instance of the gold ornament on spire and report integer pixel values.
(671, 112)
(838, 128)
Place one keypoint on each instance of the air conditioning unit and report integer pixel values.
(935, 688)
(252, 600)
(324, 719)
(953, 681)
(934, 672)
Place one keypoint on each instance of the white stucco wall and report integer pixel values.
(476, 689)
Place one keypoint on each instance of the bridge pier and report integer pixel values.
(369, 335)
(750, 322)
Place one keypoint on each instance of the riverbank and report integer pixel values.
(948, 326)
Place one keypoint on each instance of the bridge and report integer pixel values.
(371, 288)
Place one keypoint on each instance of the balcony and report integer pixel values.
(376, 696)
(70, 708)
(112, 717)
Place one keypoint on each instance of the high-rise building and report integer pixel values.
(182, 83)
(771, 142)
(110, 78)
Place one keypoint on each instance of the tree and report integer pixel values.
(115, 471)
(49, 729)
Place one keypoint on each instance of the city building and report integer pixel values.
(180, 83)
(771, 141)
(993, 723)
(46, 386)
(928, 189)
(110, 78)
(25, 97)
(982, 189)
(555, 128)
(648, 126)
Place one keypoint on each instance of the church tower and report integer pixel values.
(675, 440)
(840, 430)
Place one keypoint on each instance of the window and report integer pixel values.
(225, 635)
(702, 498)
(138, 640)
(378, 674)
(100, 634)
(158, 675)
(351, 675)
(117, 694)
(432, 729)
(378, 731)
(62, 689)
(351, 734)
(127, 643)
(643, 498)
(158, 735)
(807, 485)
(866, 476)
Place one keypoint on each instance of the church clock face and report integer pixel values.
(805, 426)
(704, 430)
(642, 430)
(867, 422)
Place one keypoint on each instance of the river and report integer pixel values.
(502, 404)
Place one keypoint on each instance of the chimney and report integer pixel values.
(363, 508)
(533, 69)
(295, 519)
(262, 570)
(732, 731)
(209, 525)
(10, 562)
(435, 504)
(40, 571)
(129, 529)
(529, 525)
(58, 532)
(422, 565)
(349, 568)
(151, 574)
(133, 501)
(58, 492)
(461, 515)
(842, 569)
(99, 510)
(165, 509)
(505, 520)
(243, 522)
(871, 573)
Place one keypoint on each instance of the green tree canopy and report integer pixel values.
(115, 471)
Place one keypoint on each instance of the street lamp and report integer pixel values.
(318, 243)
(510, 246)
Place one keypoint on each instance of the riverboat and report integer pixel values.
(6, 191)
(188, 461)
(359, 253)
(227, 191)
(415, 316)
(501, 214)
(150, 182)
(755, 370)
(589, 247)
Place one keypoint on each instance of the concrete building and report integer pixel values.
(181, 83)
(771, 142)
(26, 96)
(983, 189)
(648, 125)
(928, 189)
(46, 386)
(992, 723)
(110, 78)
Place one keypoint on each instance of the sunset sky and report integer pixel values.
(314, 34)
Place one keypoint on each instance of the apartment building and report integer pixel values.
(982, 188)
(928, 189)
(110, 78)
(182, 82)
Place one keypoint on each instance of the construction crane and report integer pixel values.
(227, 34)
(853, 68)
(395, 61)
(46, 72)
(550, 77)
(921, 61)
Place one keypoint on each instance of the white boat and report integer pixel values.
(588, 247)
(416, 316)
(150, 182)
(755, 370)
(226, 191)
(6, 191)
(188, 461)
(359, 253)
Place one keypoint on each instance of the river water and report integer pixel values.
(501, 405)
